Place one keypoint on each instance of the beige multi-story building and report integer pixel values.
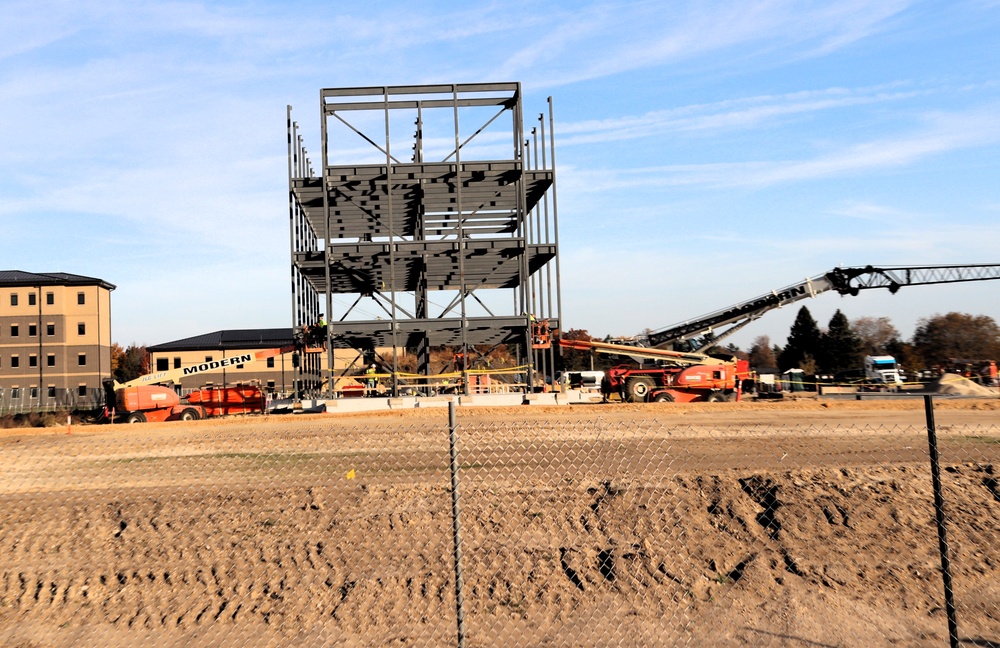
(55, 339)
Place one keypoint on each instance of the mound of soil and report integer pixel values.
(956, 385)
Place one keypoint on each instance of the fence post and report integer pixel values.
(456, 526)
(949, 601)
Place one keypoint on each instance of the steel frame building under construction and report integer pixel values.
(432, 223)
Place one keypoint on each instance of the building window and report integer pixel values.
(33, 392)
(50, 360)
(32, 330)
(50, 298)
(270, 385)
(270, 363)
(177, 363)
(208, 358)
(239, 366)
(52, 391)
(13, 299)
(50, 329)
(81, 390)
(82, 359)
(15, 392)
(81, 298)
(15, 330)
(15, 362)
(31, 299)
(81, 329)
(162, 364)
(32, 360)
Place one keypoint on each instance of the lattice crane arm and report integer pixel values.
(846, 281)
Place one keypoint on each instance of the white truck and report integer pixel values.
(881, 370)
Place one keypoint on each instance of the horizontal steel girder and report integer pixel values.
(438, 332)
(365, 268)
(359, 204)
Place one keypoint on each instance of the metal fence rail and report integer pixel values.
(26, 400)
(314, 532)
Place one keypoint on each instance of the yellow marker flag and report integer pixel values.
(350, 474)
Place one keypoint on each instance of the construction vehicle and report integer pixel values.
(673, 376)
(692, 375)
(146, 399)
(541, 334)
(703, 332)
(882, 371)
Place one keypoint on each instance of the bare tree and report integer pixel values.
(957, 335)
(762, 353)
(875, 333)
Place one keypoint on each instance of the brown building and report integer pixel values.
(55, 340)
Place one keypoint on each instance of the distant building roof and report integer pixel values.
(11, 278)
(236, 339)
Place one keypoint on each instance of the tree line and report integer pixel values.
(842, 345)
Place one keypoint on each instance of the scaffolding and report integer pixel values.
(432, 224)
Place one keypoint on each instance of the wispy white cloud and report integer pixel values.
(29, 25)
(936, 241)
(732, 114)
(868, 211)
(612, 38)
(940, 133)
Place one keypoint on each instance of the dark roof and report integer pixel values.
(237, 339)
(9, 278)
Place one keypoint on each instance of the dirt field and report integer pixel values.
(799, 523)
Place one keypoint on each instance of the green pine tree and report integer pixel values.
(803, 343)
(840, 348)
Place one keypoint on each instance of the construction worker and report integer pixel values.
(317, 332)
(371, 380)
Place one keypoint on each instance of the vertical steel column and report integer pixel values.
(522, 234)
(548, 266)
(392, 246)
(292, 234)
(527, 287)
(461, 243)
(421, 296)
(326, 244)
(949, 600)
(555, 214)
(537, 297)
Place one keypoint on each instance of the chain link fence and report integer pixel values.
(26, 400)
(316, 531)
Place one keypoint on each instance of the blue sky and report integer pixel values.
(707, 152)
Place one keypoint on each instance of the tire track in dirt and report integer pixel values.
(590, 530)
